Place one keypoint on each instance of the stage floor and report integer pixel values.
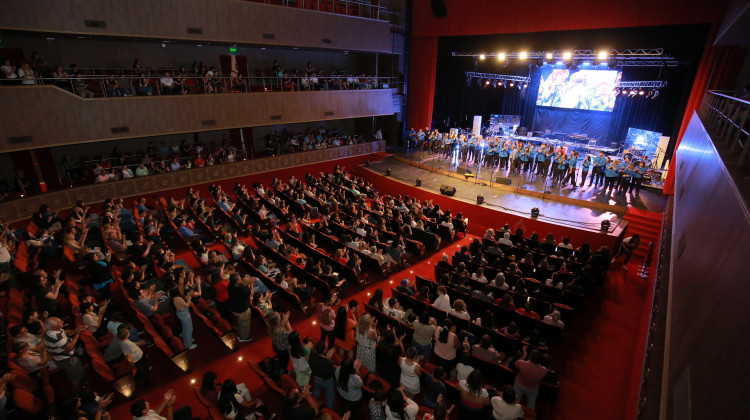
(648, 199)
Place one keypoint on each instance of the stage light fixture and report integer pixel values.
(656, 93)
(632, 93)
(388, 172)
(649, 94)
(616, 92)
(602, 55)
(586, 63)
(641, 92)
(518, 86)
(487, 82)
(501, 56)
(624, 91)
(480, 199)
(511, 84)
(535, 212)
(482, 56)
(605, 225)
(567, 55)
(525, 85)
(499, 84)
(419, 182)
(523, 55)
(548, 56)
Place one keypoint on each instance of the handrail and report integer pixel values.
(130, 85)
(725, 117)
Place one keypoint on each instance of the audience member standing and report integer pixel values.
(239, 304)
(529, 376)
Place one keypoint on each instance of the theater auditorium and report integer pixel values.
(374, 209)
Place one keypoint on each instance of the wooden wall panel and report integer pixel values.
(53, 117)
(23, 208)
(230, 21)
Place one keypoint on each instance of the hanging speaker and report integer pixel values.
(439, 9)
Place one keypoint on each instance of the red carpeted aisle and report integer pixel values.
(647, 224)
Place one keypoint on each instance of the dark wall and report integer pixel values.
(706, 361)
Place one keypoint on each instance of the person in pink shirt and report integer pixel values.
(327, 319)
(529, 376)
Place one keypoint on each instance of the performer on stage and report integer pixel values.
(610, 175)
(524, 159)
(514, 154)
(585, 170)
(572, 162)
(473, 147)
(600, 164)
(464, 147)
(532, 158)
(638, 175)
(559, 167)
(548, 162)
(503, 155)
(411, 137)
(626, 177)
(420, 140)
(541, 156)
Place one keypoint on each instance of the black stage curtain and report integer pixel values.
(636, 112)
(528, 114)
(573, 121)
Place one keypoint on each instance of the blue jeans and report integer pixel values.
(327, 386)
(530, 396)
(259, 287)
(425, 350)
(187, 326)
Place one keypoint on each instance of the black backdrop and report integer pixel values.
(456, 102)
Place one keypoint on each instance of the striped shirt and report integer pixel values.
(56, 341)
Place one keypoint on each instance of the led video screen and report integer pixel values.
(591, 90)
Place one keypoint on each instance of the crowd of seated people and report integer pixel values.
(180, 80)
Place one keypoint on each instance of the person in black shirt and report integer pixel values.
(293, 408)
(239, 303)
(323, 370)
(140, 251)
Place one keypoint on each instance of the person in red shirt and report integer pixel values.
(199, 162)
(529, 376)
(526, 311)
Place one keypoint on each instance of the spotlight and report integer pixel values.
(567, 55)
(632, 93)
(548, 56)
(605, 225)
(641, 92)
(525, 85)
(523, 55)
(388, 172)
(501, 56)
(482, 56)
(535, 212)
(602, 55)
(511, 84)
(624, 91)
(487, 82)
(500, 84)
(656, 93)
(616, 91)
(480, 199)
(649, 94)
(419, 182)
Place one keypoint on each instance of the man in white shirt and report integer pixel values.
(443, 301)
(167, 84)
(505, 240)
(393, 309)
(175, 165)
(506, 407)
(134, 354)
(554, 319)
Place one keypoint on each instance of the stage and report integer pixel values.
(531, 186)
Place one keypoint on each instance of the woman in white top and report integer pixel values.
(506, 407)
(233, 399)
(26, 74)
(400, 407)
(459, 309)
(410, 372)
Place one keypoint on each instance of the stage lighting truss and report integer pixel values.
(630, 57)
(498, 80)
(643, 84)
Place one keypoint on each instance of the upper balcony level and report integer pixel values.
(44, 115)
(356, 25)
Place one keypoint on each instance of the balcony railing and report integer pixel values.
(726, 117)
(132, 85)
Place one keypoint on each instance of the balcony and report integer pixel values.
(356, 27)
(44, 116)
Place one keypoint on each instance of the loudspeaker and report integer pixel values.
(438, 8)
(445, 189)
(502, 180)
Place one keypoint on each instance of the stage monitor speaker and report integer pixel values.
(502, 180)
(439, 9)
(447, 190)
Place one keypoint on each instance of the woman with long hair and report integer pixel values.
(350, 386)
(446, 345)
(366, 336)
(474, 396)
(400, 406)
(279, 329)
(344, 331)
(410, 372)
(234, 399)
(377, 299)
(300, 354)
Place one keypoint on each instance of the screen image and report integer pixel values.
(591, 90)
(642, 141)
